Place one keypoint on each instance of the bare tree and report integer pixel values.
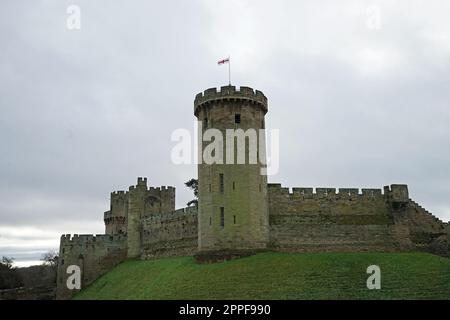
(50, 258)
(7, 262)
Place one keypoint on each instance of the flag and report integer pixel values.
(221, 62)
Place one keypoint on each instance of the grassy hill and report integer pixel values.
(278, 276)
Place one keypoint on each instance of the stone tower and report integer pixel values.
(136, 207)
(233, 210)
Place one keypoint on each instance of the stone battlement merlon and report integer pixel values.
(230, 93)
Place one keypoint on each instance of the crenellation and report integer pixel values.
(82, 239)
(227, 90)
(247, 91)
(348, 192)
(303, 191)
(372, 192)
(208, 92)
(144, 223)
(325, 192)
(230, 92)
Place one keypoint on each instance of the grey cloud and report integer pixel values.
(85, 112)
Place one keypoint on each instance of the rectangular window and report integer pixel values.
(234, 185)
(205, 122)
(210, 220)
(222, 217)
(221, 182)
(234, 219)
(237, 118)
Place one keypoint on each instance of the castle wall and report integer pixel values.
(301, 220)
(426, 232)
(95, 255)
(170, 234)
(326, 220)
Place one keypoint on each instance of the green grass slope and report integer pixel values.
(278, 276)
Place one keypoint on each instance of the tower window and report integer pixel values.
(221, 182)
(222, 217)
(234, 219)
(205, 122)
(234, 185)
(237, 118)
(210, 220)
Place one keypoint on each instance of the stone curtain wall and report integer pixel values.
(348, 220)
(328, 221)
(170, 234)
(95, 255)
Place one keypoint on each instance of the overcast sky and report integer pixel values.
(361, 99)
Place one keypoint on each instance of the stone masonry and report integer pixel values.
(239, 210)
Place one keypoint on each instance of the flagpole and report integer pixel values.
(229, 71)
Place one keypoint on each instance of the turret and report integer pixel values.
(233, 210)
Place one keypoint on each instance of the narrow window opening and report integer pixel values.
(234, 219)
(222, 217)
(205, 122)
(221, 182)
(210, 187)
(237, 118)
(210, 221)
(234, 185)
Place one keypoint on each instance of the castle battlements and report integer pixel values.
(394, 192)
(142, 183)
(275, 188)
(85, 239)
(237, 210)
(119, 193)
(232, 94)
(162, 189)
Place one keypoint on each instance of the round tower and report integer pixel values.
(233, 210)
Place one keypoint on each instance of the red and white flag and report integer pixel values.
(221, 62)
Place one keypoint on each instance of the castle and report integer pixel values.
(239, 211)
